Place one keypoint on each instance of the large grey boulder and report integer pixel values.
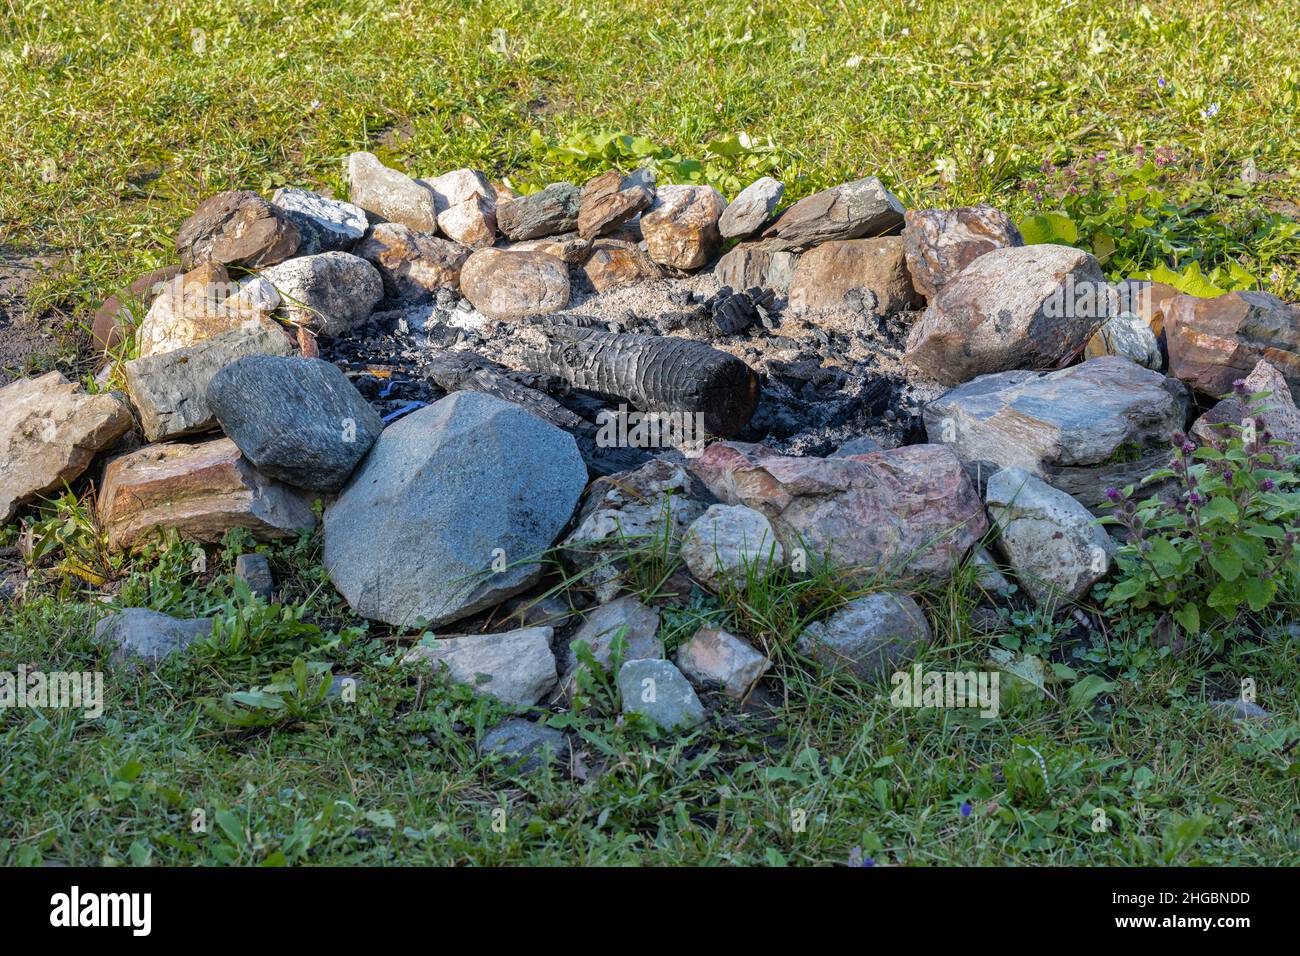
(851, 210)
(868, 637)
(1105, 423)
(516, 667)
(333, 292)
(1018, 307)
(1052, 543)
(143, 638)
(298, 420)
(451, 510)
(170, 390)
(658, 691)
(324, 224)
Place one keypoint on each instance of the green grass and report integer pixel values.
(117, 117)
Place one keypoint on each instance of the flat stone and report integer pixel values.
(143, 638)
(851, 210)
(236, 229)
(390, 196)
(727, 543)
(298, 420)
(516, 667)
(626, 618)
(746, 266)
(751, 208)
(910, 511)
(1105, 423)
(1050, 540)
(170, 390)
(124, 310)
(1214, 342)
(451, 510)
(604, 204)
(549, 212)
(255, 571)
(681, 226)
(332, 293)
(324, 224)
(940, 243)
(504, 284)
(201, 490)
(527, 746)
(839, 274)
(715, 658)
(413, 265)
(658, 691)
(1022, 307)
(50, 432)
(613, 263)
(869, 637)
(1240, 710)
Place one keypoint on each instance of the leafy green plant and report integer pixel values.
(67, 538)
(1224, 537)
(292, 696)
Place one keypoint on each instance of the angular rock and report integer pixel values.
(630, 511)
(170, 390)
(656, 690)
(527, 746)
(1105, 423)
(681, 226)
(332, 293)
(1214, 342)
(869, 637)
(122, 311)
(728, 542)
(747, 265)
(297, 420)
(191, 308)
(255, 570)
(413, 265)
(840, 274)
(910, 511)
(515, 667)
(390, 196)
(989, 577)
(851, 210)
(504, 284)
(613, 263)
(451, 510)
(1022, 307)
(550, 212)
(143, 638)
(627, 619)
(1127, 335)
(50, 431)
(569, 246)
(751, 208)
(857, 446)
(714, 658)
(1051, 541)
(200, 490)
(467, 207)
(324, 224)
(1278, 411)
(940, 243)
(1238, 709)
(236, 229)
(604, 204)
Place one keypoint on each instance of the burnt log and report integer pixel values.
(455, 371)
(653, 374)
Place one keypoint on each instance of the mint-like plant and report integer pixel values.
(1222, 534)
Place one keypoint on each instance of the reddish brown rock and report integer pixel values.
(864, 274)
(605, 204)
(200, 305)
(942, 242)
(413, 265)
(201, 490)
(504, 284)
(1214, 342)
(909, 511)
(681, 226)
(1023, 307)
(613, 263)
(236, 228)
(123, 310)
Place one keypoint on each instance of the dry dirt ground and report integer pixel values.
(27, 343)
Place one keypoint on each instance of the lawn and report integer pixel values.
(1166, 136)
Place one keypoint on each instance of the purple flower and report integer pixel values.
(1161, 83)
(1188, 448)
(965, 809)
(1267, 484)
(857, 859)
(1195, 498)
(1227, 475)
(1112, 494)
(1211, 112)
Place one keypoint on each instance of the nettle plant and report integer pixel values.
(1223, 536)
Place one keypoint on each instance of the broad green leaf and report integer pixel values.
(1189, 618)
(1049, 227)
(1259, 592)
